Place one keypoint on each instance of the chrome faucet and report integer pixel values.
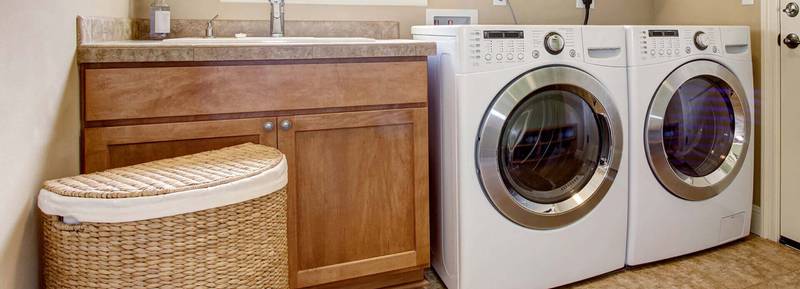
(276, 28)
(210, 27)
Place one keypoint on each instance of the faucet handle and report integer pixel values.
(210, 22)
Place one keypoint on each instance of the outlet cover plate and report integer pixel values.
(500, 2)
(579, 4)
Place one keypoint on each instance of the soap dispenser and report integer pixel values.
(159, 19)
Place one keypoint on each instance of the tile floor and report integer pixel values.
(751, 263)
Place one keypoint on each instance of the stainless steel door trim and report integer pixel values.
(511, 204)
(688, 187)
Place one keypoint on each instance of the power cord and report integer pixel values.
(588, 5)
(514, 15)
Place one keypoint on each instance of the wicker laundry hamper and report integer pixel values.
(211, 220)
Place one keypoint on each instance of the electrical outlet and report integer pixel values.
(451, 16)
(748, 2)
(579, 4)
(500, 2)
(451, 20)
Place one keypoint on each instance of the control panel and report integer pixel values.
(503, 46)
(654, 45)
(495, 48)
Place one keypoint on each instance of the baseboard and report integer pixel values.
(755, 224)
(789, 242)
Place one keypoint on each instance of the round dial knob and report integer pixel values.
(554, 43)
(701, 40)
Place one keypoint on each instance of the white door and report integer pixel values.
(790, 116)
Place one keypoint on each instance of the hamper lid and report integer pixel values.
(167, 187)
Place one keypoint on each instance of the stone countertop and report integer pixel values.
(158, 51)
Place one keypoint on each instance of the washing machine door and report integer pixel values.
(698, 130)
(549, 147)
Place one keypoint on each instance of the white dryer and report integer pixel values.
(528, 162)
(691, 100)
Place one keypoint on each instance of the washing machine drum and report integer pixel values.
(549, 147)
(698, 130)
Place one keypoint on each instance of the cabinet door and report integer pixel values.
(358, 193)
(113, 147)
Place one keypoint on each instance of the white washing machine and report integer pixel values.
(528, 164)
(691, 181)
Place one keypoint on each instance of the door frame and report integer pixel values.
(770, 120)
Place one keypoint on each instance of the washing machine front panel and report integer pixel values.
(549, 147)
(698, 130)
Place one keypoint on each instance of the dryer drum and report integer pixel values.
(549, 147)
(698, 130)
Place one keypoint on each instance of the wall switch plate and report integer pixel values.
(579, 4)
(451, 16)
(748, 2)
(500, 2)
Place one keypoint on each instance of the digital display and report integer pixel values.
(504, 35)
(664, 33)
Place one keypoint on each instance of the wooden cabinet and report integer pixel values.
(358, 172)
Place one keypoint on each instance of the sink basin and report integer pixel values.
(266, 40)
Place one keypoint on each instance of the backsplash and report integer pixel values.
(99, 29)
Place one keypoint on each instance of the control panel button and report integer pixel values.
(521, 56)
(653, 52)
(488, 57)
(499, 56)
(669, 52)
(572, 53)
(510, 56)
(688, 50)
(535, 54)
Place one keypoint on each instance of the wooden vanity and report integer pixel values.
(354, 131)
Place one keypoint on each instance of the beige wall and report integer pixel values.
(721, 12)
(528, 11)
(40, 125)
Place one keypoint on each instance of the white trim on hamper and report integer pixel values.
(79, 210)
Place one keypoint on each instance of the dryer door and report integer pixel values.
(549, 147)
(698, 130)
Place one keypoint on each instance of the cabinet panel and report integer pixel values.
(112, 147)
(155, 92)
(373, 165)
(361, 199)
(122, 155)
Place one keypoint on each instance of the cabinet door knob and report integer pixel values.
(269, 126)
(286, 124)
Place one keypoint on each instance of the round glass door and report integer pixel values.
(549, 147)
(698, 130)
